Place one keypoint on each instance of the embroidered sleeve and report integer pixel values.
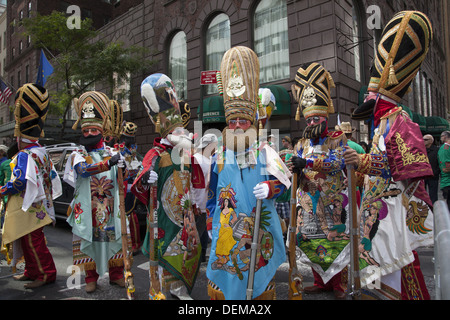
(19, 181)
(373, 164)
(331, 164)
(86, 170)
(276, 188)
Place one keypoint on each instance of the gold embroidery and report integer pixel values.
(407, 157)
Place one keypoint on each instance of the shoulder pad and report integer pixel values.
(392, 112)
(335, 134)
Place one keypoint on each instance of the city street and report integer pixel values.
(59, 242)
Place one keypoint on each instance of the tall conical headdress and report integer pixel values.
(403, 46)
(238, 82)
(31, 108)
(93, 109)
(312, 91)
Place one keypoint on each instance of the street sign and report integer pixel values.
(208, 77)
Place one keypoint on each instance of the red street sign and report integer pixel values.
(208, 77)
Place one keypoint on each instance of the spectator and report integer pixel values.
(286, 142)
(444, 165)
(365, 146)
(432, 184)
(346, 127)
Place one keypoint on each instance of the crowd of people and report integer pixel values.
(236, 192)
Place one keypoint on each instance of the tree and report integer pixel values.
(80, 59)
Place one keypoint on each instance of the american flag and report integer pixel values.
(5, 92)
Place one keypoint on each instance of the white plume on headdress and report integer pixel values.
(265, 95)
(149, 95)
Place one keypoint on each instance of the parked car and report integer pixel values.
(59, 153)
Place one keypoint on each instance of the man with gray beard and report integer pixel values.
(242, 175)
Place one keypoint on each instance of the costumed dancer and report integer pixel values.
(396, 216)
(172, 241)
(94, 213)
(133, 164)
(33, 185)
(322, 195)
(244, 174)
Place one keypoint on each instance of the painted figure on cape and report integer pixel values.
(244, 171)
(396, 164)
(164, 184)
(94, 211)
(322, 224)
(33, 185)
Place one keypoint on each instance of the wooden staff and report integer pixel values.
(114, 128)
(355, 281)
(254, 248)
(155, 287)
(129, 280)
(295, 278)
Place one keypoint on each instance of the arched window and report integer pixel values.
(270, 30)
(178, 64)
(218, 41)
(357, 36)
(424, 90)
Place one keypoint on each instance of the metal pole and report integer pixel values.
(441, 245)
(354, 280)
(254, 248)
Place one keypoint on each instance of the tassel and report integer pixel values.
(392, 77)
(297, 114)
(260, 127)
(158, 124)
(330, 79)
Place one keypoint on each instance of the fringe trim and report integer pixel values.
(269, 294)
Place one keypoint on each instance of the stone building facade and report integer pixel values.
(340, 34)
(319, 30)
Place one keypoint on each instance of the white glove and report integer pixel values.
(261, 191)
(152, 177)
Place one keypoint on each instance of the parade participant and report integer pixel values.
(133, 165)
(396, 215)
(322, 196)
(94, 211)
(33, 186)
(432, 184)
(242, 177)
(177, 240)
(444, 165)
(5, 175)
(205, 151)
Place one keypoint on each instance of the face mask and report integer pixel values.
(90, 140)
(315, 131)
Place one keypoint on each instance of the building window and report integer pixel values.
(357, 36)
(178, 64)
(270, 34)
(27, 74)
(424, 95)
(218, 41)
